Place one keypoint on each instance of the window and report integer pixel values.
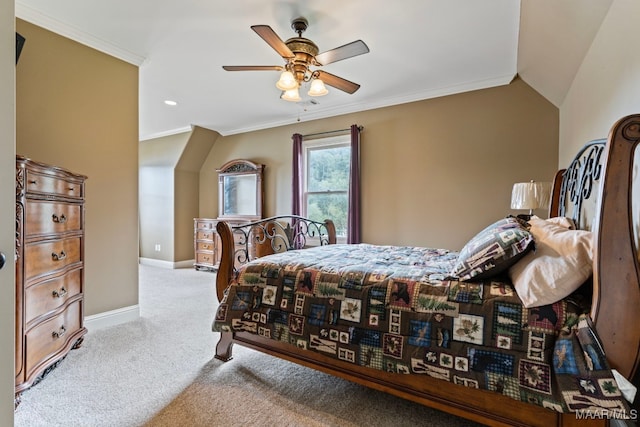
(326, 181)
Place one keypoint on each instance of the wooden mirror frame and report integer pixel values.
(240, 168)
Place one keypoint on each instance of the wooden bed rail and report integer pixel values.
(241, 244)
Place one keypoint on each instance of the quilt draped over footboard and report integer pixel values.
(394, 308)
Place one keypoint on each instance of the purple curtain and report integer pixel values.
(296, 183)
(353, 214)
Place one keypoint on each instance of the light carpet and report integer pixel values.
(159, 371)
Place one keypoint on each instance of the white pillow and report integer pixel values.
(559, 264)
(563, 221)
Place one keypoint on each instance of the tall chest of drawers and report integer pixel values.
(49, 268)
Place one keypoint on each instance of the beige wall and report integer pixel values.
(187, 188)
(78, 108)
(169, 193)
(186, 208)
(156, 212)
(607, 85)
(433, 172)
(157, 161)
(7, 210)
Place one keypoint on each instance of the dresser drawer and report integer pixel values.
(206, 225)
(205, 246)
(204, 235)
(38, 183)
(51, 336)
(204, 258)
(48, 295)
(48, 256)
(52, 217)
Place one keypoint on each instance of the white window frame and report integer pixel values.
(315, 144)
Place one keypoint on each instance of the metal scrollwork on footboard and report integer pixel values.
(580, 180)
(278, 234)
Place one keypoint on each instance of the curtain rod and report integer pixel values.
(360, 128)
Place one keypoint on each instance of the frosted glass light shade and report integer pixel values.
(287, 81)
(530, 195)
(291, 95)
(317, 88)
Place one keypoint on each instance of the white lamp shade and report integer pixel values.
(291, 95)
(317, 88)
(287, 81)
(530, 195)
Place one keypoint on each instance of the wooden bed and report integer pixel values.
(608, 170)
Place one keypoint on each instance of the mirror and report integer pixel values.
(239, 195)
(240, 190)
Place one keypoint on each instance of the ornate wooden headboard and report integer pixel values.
(616, 275)
(578, 192)
(576, 188)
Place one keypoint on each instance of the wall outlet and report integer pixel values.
(157, 247)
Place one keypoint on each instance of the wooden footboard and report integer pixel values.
(276, 234)
(615, 308)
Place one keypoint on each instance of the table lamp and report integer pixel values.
(530, 195)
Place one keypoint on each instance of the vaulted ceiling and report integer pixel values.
(419, 49)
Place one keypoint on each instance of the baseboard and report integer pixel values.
(184, 264)
(166, 264)
(112, 318)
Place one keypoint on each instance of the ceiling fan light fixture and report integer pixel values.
(287, 81)
(291, 95)
(317, 88)
(301, 55)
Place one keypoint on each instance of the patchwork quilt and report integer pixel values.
(394, 308)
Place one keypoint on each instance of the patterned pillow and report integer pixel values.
(493, 250)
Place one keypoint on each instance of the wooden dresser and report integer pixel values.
(206, 244)
(49, 268)
(240, 200)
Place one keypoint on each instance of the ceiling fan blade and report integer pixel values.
(273, 40)
(338, 82)
(348, 50)
(253, 67)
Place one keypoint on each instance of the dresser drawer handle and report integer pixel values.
(59, 333)
(33, 181)
(58, 257)
(207, 236)
(59, 294)
(206, 258)
(205, 246)
(59, 219)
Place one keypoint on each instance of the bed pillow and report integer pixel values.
(493, 250)
(563, 221)
(561, 262)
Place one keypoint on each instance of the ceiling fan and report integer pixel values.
(300, 55)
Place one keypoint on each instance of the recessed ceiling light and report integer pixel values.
(169, 102)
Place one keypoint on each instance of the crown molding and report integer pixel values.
(146, 137)
(38, 18)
